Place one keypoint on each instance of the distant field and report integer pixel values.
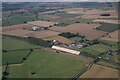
(108, 27)
(83, 29)
(13, 19)
(101, 48)
(107, 21)
(28, 33)
(76, 38)
(97, 71)
(59, 38)
(113, 36)
(47, 64)
(13, 57)
(9, 43)
(42, 23)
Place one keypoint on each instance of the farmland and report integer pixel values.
(107, 27)
(112, 36)
(15, 44)
(59, 63)
(60, 40)
(83, 29)
(98, 71)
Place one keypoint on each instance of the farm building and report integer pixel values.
(66, 50)
(35, 28)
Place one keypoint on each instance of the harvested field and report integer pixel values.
(36, 34)
(53, 17)
(112, 36)
(75, 10)
(107, 21)
(42, 23)
(98, 71)
(15, 27)
(59, 38)
(83, 29)
(95, 14)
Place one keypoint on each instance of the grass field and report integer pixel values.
(9, 43)
(47, 64)
(102, 48)
(104, 63)
(13, 57)
(108, 27)
(16, 19)
(76, 38)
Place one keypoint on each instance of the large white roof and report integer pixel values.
(66, 50)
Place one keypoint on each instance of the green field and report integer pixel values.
(75, 20)
(47, 64)
(105, 63)
(13, 57)
(13, 19)
(108, 27)
(76, 38)
(102, 48)
(9, 43)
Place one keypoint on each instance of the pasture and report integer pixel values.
(9, 43)
(47, 64)
(13, 57)
(108, 27)
(107, 21)
(102, 48)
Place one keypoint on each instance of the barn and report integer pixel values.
(66, 50)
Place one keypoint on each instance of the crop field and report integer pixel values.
(75, 10)
(87, 30)
(15, 27)
(42, 23)
(79, 20)
(28, 33)
(95, 14)
(112, 36)
(60, 39)
(13, 57)
(47, 64)
(107, 21)
(97, 71)
(107, 27)
(66, 15)
(9, 19)
(12, 44)
(53, 17)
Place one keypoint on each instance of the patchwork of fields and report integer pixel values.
(27, 52)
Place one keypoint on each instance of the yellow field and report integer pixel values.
(97, 71)
(112, 36)
(60, 39)
(42, 23)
